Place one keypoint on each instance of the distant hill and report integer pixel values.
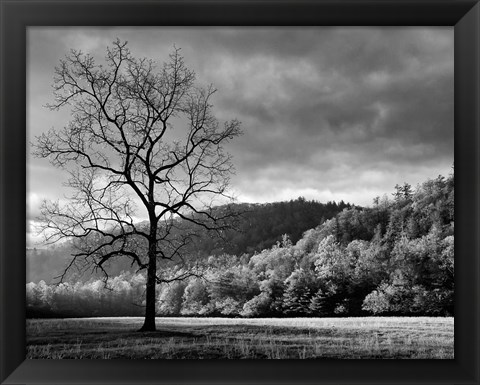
(259, 227)
(46, 263)
(262, 225)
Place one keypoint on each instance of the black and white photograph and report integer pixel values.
(240, 193)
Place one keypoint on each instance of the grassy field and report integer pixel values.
(228, 338)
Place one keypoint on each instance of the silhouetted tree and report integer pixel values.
(121, 149)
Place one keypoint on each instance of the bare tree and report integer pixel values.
(139, 135)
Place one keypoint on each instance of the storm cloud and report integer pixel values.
(327, 113)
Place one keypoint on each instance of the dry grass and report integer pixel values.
(232, 338)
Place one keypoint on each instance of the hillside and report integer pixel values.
(260, 226)
(394, 258)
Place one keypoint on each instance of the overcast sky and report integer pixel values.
(327, 113)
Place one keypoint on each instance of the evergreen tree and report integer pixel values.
(317, 304)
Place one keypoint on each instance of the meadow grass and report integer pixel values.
(235, 338)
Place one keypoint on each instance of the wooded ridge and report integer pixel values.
(297, 258)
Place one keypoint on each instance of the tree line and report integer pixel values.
(393, 258)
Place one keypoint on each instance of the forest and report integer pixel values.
(289, 259)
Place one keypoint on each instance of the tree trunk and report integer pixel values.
(149, 323)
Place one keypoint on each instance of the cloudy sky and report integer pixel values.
(327, 113)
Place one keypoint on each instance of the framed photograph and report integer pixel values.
(239, 192)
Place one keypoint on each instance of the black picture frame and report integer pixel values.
(17, 15)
